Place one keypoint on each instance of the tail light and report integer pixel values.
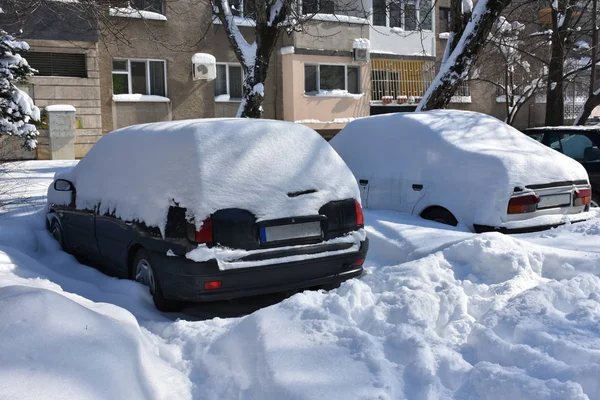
(360, 218)
(205, 234)
(582, 197)
(523, 204)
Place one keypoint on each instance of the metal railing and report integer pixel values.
(404, 81)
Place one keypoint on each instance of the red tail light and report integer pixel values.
(213, 285)
(582, 197)
(360, 218)
(205, 234)
(523, 204)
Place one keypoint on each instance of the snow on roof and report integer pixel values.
(287, 50)
(130, 12)
(203, 58)
(361, 43)
(140, 98)
(60, 107)
(211, 164)
(466, 152)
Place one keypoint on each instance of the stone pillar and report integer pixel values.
(61, 132)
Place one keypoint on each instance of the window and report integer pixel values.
(149, 5)
(58, 64)
(318, 6)
(395, 14)
(229, 81)
(139, 77)
(576, 146)
(379, 13)
(408, 14)
(444, 13)
(243, 8)
(319, 78)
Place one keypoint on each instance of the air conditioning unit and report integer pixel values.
(204, 67)
(360, 55)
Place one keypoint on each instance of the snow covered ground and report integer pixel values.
(441, 313)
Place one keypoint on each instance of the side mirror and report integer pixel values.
(63, 185)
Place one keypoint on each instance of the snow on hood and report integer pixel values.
(211, 164)
(474, 160)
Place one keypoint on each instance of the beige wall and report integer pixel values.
(175, 41)
(82, 93)
(126, 114)
(298, 106)
(329, 35)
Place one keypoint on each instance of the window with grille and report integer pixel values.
(58, 64)
(139, 77)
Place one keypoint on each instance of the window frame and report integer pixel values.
(318, 65)
(242, 10)
(320, 8)
(402, 22)
(162, 7)
(228, 90)
(147, 70)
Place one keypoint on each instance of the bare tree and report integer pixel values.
(465, 48)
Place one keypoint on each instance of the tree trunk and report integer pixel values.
(254, 57)
(468, 47)
(254, 81)
(561, 32)
(594, 98)
(555, 100)
(591, 103)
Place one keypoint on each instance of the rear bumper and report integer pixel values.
(183, 279)
(525, 229)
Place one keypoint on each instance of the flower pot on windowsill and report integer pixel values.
(401, 99)
(386, 100)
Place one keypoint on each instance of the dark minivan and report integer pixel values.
(214, 209)
(581, 143)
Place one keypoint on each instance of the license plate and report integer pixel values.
(555, 200)
(293, 231)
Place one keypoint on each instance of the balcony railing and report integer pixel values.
(405, 81)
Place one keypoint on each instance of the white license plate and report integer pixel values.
(293, 231)
(555, 200)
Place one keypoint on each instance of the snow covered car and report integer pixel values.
(463, 167)
(205, 210)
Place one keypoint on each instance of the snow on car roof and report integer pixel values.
(206, 165)
(564, 128)
(452, 145)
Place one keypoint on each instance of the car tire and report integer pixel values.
(57, 233)
(595, 200)
(439, 214)
(143, 272)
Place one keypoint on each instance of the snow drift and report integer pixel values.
(207, 165)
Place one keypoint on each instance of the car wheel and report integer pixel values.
(439, 214)
(57, 233)
(144, 274)
(595, 201)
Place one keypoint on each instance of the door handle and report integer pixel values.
(363, 182)
(417, 187)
